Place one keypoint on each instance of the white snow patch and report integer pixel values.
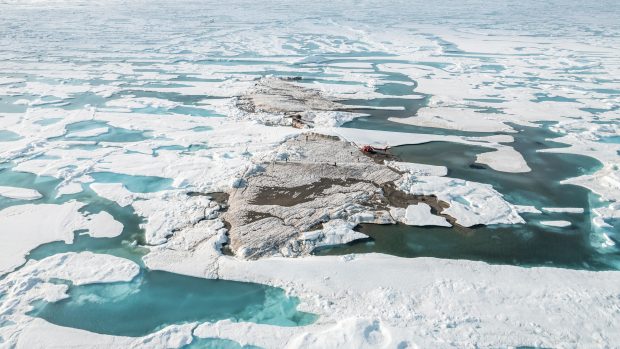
(556, 224)
(462, 119)
(334, 232)
(420, 215)
(169, 212)
(471, 203)
(333, 118)
(563, 209)
(19, 193)
(69, 189)
(116, 192)
(40, 334)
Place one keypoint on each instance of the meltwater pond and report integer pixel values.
(134, 183)
(154, 299)
(157, 299)
(79, 132)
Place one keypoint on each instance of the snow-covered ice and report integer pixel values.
(556, 224)
(25, 227)
(19, 193)
(471, 203)
(421, 215)
(563, 209)
(162, 79)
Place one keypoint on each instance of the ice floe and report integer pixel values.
(421, 215)
(35, 281)
(334, 232)
(19, 193)
(472, 72)
(116, 192)
(461, 119)
(556, 224)
(28, 226)
(471, 203)
(563, 209)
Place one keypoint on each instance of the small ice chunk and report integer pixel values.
(69, 189)
(421, 215)
(25, 227)
(103, 225)
(334, 232)
(557, 224)
(600, 222)
(19, 193)
(563, 209)
(504, 159)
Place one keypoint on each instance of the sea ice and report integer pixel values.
(563, 209)
(334, 232)
(103, 225)
(116, 192)
(556, 224)
(421, 215)
(19, 193)
(25, 227)
(471, 203)
(90, 133)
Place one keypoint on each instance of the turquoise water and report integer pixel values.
(8, 136)
(45, 185)
(611, 139)
(134, 183)
(525, 245)
(156, 299)
(176, 40)
(114, 134)
(201, 128)
(194, 111)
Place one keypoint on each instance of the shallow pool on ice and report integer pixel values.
(157, 299)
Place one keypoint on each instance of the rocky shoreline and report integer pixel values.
(315, 195)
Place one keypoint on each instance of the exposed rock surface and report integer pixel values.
(317, 188)
(281, 210)
(276, 101)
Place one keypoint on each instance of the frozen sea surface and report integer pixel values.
(136, 96)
